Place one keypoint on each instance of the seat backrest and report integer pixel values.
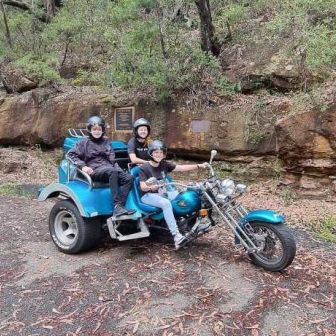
(137, 193)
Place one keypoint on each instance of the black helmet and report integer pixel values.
(141, 122)
(154, 145)
(95, 121)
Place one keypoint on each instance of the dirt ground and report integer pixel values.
(144, 287)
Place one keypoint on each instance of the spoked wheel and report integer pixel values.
(275, 243)
(71, 232)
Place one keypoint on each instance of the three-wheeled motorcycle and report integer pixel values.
(83, 212)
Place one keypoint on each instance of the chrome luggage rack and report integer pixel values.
(78, 132)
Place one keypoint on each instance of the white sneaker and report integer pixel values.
(178, 240)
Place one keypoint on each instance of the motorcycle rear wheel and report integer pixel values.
(71, 232)
(277, 245)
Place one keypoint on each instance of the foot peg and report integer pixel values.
(113, 224)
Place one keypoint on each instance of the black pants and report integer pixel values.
(119, 181)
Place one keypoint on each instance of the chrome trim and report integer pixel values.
(78, 132)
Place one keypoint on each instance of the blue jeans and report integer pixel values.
(156, 200)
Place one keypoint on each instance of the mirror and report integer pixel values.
(212, 155)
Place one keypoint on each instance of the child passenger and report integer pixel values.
(158, 167)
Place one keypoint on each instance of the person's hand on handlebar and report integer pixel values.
(87, 170)
(203, 165)
(152, 184)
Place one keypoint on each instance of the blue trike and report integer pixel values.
(83, 212)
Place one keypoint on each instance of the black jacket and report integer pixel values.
(95, 154)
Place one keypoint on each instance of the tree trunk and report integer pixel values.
(209, 41)
(50, 8)
(9, 40)
(159, 15)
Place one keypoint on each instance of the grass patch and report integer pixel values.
(9, 189)
(326, 228)
(223, 171)
(288, 195)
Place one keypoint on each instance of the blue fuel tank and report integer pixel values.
(186, 203)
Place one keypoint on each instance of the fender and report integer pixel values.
(263, 215)
(88, 201)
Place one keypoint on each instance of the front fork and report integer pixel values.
(235, 224)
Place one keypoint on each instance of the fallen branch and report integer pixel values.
(24, 6)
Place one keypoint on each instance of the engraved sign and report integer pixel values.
(123, 118)
(199, 126)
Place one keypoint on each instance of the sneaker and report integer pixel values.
(178, 240)
(119, 210)
(201, 228)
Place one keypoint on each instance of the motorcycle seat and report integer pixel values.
(137, 193)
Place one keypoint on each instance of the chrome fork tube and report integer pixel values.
(252, 247)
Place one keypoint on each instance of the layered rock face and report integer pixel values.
(307, 142)
(307, 146)
(265, 135)
(43, 116)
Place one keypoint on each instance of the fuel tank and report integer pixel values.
(186, 202)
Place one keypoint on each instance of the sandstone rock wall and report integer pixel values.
(246, 130)
(43, 116)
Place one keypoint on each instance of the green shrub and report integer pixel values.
(40, 68)
(320, 43)
(225, 87)
(294, 21)
(288, 195)
(13, 190)
(326, 228)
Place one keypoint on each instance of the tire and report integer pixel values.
(71, 232)
(266, 257)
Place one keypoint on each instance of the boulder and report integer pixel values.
(43, 117)
(14, 80)
(261, 66)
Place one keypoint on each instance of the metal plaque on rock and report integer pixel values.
(123, 119)
(199, 126)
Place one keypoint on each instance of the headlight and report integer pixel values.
(227, 187)
(211, 183)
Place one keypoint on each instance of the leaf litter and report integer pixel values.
(161, 291)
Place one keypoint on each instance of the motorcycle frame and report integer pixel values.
(227, 217)
(241, 212)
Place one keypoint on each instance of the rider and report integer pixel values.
(158, 167)
(95, 156)
(138, 145)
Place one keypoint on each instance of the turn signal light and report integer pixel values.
(203, 212)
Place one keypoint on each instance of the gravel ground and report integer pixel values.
(144, 287)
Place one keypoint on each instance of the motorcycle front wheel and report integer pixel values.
(276, 245)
